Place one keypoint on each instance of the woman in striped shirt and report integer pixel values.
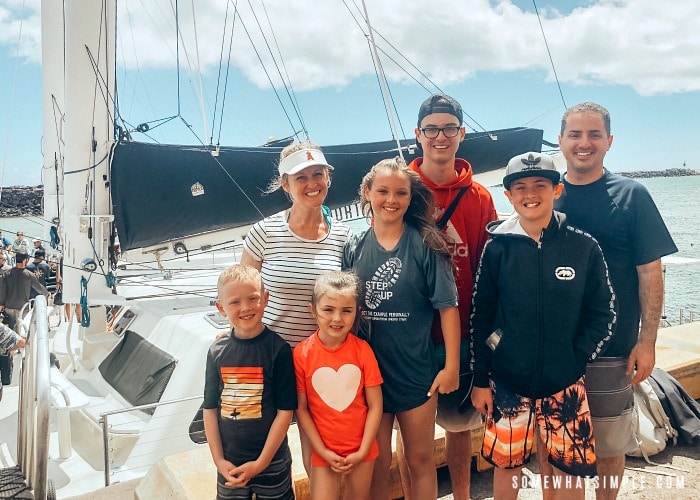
(293, 247)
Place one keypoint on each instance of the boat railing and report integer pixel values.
(34, 402)
(104, 421)
(684, 316)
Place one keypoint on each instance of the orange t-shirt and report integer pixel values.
(334, 383)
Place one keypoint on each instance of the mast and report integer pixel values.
(382, 80)
(89, 132)
(52, 58)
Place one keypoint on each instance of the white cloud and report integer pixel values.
(19, 21)
(651, 46)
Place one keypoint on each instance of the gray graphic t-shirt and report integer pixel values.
(401, 291)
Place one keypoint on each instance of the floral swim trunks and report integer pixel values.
(565, 426)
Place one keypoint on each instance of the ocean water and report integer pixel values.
(676, 197)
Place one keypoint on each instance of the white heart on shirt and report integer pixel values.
(337, 388)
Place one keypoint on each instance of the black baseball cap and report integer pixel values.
(440, 103)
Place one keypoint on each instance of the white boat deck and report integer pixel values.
(191, 474)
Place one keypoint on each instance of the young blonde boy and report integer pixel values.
(543, 307)
(249, 395)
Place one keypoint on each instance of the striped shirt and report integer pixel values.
(290, 266)
(8, 339)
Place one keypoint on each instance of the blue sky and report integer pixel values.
(639, 58)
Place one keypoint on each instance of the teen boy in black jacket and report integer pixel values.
(543, 307)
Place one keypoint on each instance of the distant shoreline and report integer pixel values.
(669, 172)
(23, 201)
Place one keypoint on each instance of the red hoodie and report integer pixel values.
(466, 228)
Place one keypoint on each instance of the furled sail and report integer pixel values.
(164, 192)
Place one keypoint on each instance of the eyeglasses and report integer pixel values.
(433, 132)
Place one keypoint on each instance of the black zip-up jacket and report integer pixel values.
(552, 300)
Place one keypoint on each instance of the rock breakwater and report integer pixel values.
(18, 201)
(669, 172)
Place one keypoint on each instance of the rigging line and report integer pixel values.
(396, 111)
(549, 53)
(58, 156)
(100, 83)
(541, 116)
(476, 128)
(12, 99)
(380, 72)
(57, 181)
(199, 90)
(228, 69)
(360, 26)
(189, 127)
(223, 100)
(164, 16)
(279, 73)
(58, 118)
(379, 83)
(177, 52)
(168, 294)
(287, 83)
(295, 103)
(218, 77)
(89, 203)
(262, 216)
(199, 69)
(269, 79)
(419, 83)
(410, 75)
(139, 79)
(160, 121)
(91, 167)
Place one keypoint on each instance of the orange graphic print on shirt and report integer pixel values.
(241, 398)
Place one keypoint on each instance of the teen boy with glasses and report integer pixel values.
(465, 207)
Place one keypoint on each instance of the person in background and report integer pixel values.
(15, 287)
(10, 342)
(4, 266)
(249, 395)
(543, 307)
(5, 243)
(20, 245)
(36, 246)
(405, 266)
(621, 215)
(339, 391)
(293, 247)
(41, 270)
(53, 281)
(464, 207)
(5, 251)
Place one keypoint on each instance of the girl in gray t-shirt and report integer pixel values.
(406, 275)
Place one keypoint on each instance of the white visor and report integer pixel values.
(301, 159)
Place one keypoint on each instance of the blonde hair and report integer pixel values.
(420, 209)
(239, 272)
(345, 282)
(276, 182)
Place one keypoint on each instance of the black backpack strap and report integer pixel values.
(442, 221)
